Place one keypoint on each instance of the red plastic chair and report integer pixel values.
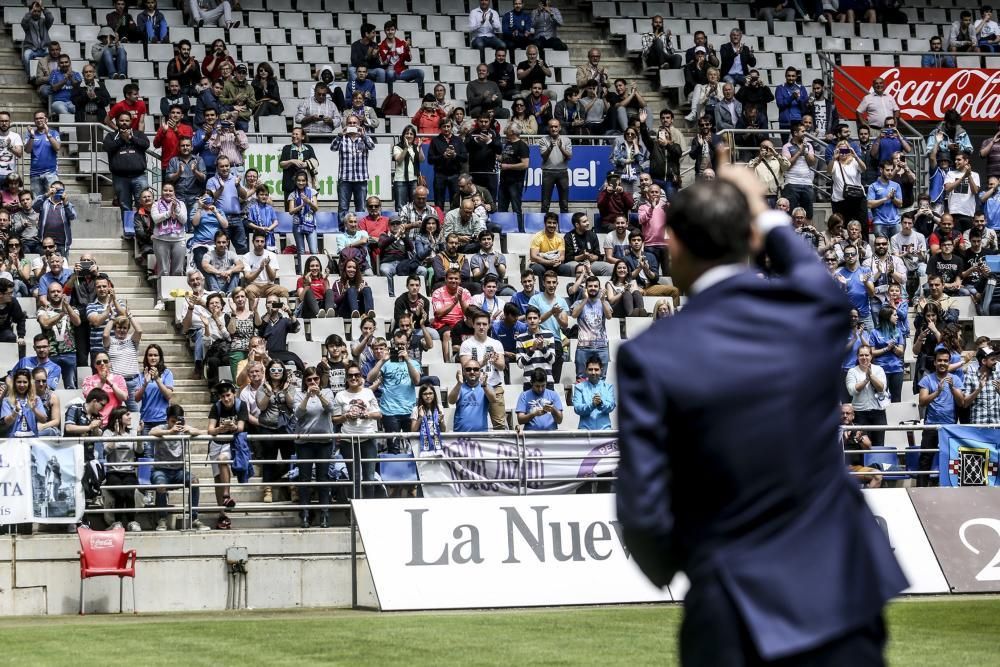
(103, 555)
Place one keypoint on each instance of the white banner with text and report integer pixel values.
(492, 467)
(40, 481)
(265, 158)
(501, 552)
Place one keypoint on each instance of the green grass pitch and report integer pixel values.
(939, 631)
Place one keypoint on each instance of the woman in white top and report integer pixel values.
(118, 454)
(867, 385)
(356, 410)
(406, 159)
(704, 93)
(847, 195)
(314, 407)
(169, 218)
(123, 350)
(217, 338)
(623, 294)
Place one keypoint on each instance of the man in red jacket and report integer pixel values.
(168, 137)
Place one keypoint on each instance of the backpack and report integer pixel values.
(394, 105)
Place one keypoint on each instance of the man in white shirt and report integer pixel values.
(615, 243)
(489, 353)
(484, 26)
(989, 235)
(876, 106)
(11, 146)
(911, 247)
(261, 270)
(961, 185)
(799, 177)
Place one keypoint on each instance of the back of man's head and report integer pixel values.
(712, 221)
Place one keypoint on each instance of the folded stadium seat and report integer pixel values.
(319, 20)
(924, 31)
(273, 125)
(284, 222)
(870, 30)
(439, 23)
(319, 329)
(258, 20)
(409, 23)
(394, 6)
(242, 36)
(207, 35)
(28, 305)
(507, 221)
(351, 21)
(31, 329)
(310, 352)
(281, 51)
(912, 458)
(533, 222)
(331, 37)
(293, 20)
(303, 36)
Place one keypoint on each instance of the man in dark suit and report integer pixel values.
(732, 72)
(731, 467)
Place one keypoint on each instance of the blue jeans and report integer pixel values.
(237, 233)
(735, 79)
(416, 75)
(128, 188)
(163, 476)
(132, 385)
(304, 240)
(492, 42)
(402, 193)
(358, 190)
(888, 230)
(800, 195)
(356, 301)
(197, 335)
(40, 182)
(314, 449)
(27, 55)
(216, 283)
(584, 353)
(67, 364)
(377, 74)
(510, 195)
(110, 65)
(60, 106)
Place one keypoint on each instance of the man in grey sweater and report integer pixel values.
(36, 24)
(556, 151)
(483, 94)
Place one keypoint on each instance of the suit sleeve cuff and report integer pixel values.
(770, 220)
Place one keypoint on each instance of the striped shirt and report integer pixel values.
(97, 331)
(353, 156)
(124, 356)
(530, 356)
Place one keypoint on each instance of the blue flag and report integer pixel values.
(969, 456)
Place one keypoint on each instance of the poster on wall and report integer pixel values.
(40, 481)
(265, 158)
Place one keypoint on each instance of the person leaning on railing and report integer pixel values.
(168, 466)
(314, 407)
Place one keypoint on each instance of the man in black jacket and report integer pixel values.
(732, 71)
(126, 149)
(483, 145)
(664, 156)
(11, 314)
(446, 154)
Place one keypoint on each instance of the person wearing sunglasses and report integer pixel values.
(51, 426)
(314, 407)
(357, 412)
(112, 384)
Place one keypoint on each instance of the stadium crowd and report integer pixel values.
(214, 223)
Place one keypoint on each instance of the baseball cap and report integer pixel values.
(242, 68)
(395, 220)
(701, 49)
(985, 352)
(225, 385)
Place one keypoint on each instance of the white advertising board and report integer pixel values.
(894, 513)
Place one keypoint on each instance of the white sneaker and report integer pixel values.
(134, 527)
(321, 312)
(822, 19)
(160, 305)
(116, 525)
(161, 526)
(198, 525)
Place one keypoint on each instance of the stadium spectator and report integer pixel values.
(207, 12)
(202, 136)
(653, 223)
(799, 178)
(489, 355)
(770, 166)
(277, 322)
(522, 118)
(876, 106)
(126, 149)
(591, 314)
(103, 378)
(886, 269)
(645, 268)
(175, 94)
(406, 159)
(44, 67)
(318, 115)
(856, 281)
(548, 248)
(449, 302)
(265, 92)
(227, 416)
(485, 27)
(888, 345)
(613, 199)
(239, 97)
(532, 70)
(43, 144)
(535, 347)
(168, 465)
(545, 21)
(556, 152)
(981, 388)
(657, 48)
(191, 312)
(615, 242)
(275, 400)
(184, 68)
(482, 94)
(261, 269)
(888, 142)
(622, 293)
(592, 70)
(446, 154)
(351, 293)
(701, 39)
(365, 53)
(950, 268)
(132, 104)
(394, 54)
(940, 394)
(56, 214)
(151, 24)
(962, 185)
(186, 172)
(989, 149)
(627, 103)
(583, 247)
(937, 57)
(594, 398)
(502, 73)
(354, 145)
(464, 224)
(35, 23)
(154, 391)
(988, 236)
(169, 216)
(41, 345)
(221, 266)
(705, 96)
(90, 97)
(427, 418)
(58, 272)
(768, 10)
(554, 313)
(11, 149)
(123, 350)
(539, 408)
(472, 397)
(365, 114)
(628, 157)
(728, 110)
(792, 99)
(58, 319)
(109, 55)
(696, 73)
(242, 323)
(51, 426)
(736, 58)
(357, 411)
(594, 108)
(986, 31)
(867, 385)
(229, 141)
(513, 164)
(217, 338)
(168, 139)
(910, 246)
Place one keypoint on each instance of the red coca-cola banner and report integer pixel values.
(925, 93)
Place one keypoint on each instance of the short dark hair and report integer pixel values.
(594, 359)
(538, 375)
(512, 309)
(491, 278)
(367, 28)
(710, 219)
(97, 394)
(39, 337)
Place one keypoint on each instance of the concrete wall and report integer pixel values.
(184, 571)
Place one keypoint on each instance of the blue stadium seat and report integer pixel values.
(534, 222)
(327, 222)
(128, 224)
(565, 222)
(885, 459)
(397, 467)
(284, 222)
(913, 461)
(507, 221)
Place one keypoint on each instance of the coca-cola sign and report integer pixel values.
(925, 93)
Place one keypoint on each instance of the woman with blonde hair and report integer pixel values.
(22, 410)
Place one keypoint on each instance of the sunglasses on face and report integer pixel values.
(314, 378)
(49, 247)
(353, 376)
(102, 362)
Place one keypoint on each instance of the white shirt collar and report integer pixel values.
(715, 275)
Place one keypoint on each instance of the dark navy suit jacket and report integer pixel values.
(731, 467)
